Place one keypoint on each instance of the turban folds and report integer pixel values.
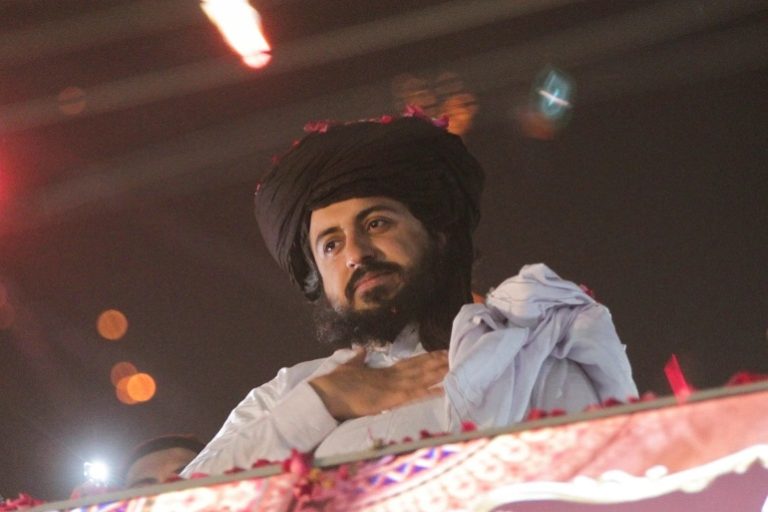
(408, 159)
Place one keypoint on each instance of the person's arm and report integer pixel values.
(299, 408)
(282, 414)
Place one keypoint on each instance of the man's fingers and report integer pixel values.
(353, 389)
(425, 366)
(415, 379)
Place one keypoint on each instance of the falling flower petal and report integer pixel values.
(298, 463)
(317, 126)
(441, 122)
(24, 500)
(589, 291)
(303, 490)
(413, 111)
(417, 112)
(680, 387)
(611, 402)
(744, 377)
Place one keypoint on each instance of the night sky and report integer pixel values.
(653, 193)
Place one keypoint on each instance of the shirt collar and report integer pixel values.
(404, 346)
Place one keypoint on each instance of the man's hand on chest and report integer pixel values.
(354, 389)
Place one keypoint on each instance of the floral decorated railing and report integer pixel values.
(709, 452)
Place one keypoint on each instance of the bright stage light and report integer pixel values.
(96, 472)
(240, 24)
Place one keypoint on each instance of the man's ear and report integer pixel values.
(313, 283)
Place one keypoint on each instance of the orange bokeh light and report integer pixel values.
(460, 109)
(120, 371)
(141, 387)
(112, 324)
(121, 390)
(136, 388)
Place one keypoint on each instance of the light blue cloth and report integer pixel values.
(538, 341)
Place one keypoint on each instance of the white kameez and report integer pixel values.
(538, 342)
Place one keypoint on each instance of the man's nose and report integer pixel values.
(359, 250)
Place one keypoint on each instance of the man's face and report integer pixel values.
(157, 467)
(364, 249)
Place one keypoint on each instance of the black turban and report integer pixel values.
(408, 159)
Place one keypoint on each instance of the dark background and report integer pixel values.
(654, 194)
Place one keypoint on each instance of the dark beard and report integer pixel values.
(380, 325)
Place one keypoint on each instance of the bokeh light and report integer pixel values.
(72, 101)
(121, 391)
(141, 387)
(120, 371)
(413, 90)
(534, 124)
(553, 93)
(445, 94)
(549, 106)
(112, 324)
(460, 109)
(131, 386)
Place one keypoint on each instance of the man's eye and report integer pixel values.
(375, 224)
(330, 246)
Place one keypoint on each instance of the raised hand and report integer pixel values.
(353, 389)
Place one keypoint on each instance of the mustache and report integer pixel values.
(366, 268)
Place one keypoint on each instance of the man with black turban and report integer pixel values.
(373, 220)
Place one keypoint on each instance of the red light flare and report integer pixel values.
(240, 25)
